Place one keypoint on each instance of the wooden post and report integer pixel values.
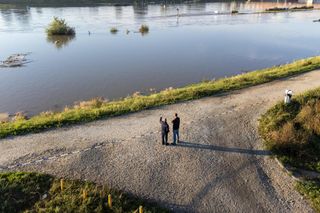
(109, 201)
(140, 209)
(61, 184)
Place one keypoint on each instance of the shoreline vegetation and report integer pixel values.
(284, 9)
(292, 133)
(98, 108)
(35, 192)
(59, 27)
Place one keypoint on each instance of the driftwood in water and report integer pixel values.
(15, 60)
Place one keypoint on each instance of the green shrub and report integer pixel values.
(59, 27)
(113, 30)
(311, 190)
(144, 29)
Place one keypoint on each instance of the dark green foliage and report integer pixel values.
(31, 192)
(311, 190)
(19, 191)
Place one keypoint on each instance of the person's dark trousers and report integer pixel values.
(164, 137)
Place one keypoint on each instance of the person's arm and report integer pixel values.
(160, 119)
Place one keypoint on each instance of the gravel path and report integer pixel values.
(219, 167)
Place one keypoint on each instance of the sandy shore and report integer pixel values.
(219, 167)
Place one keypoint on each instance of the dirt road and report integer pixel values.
(219, 167)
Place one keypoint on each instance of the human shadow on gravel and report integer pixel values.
(223, 149)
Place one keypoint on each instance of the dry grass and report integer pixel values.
(292, 131)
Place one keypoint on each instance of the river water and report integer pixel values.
(202, 43)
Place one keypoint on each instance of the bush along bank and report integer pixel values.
(292, 133)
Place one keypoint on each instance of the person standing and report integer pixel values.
(175, 128)
(164, 131)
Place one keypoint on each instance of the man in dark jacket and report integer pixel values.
(175, 127)
(164, 131)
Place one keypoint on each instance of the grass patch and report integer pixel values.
(20, 191)
(98, 108)
(32, 192)
(292, 131)
(311, 190)
(59, 27)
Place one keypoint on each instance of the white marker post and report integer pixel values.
(287, 96)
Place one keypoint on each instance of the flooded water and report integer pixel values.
(203, 43)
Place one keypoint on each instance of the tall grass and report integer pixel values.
(292, 131)
(32, 192)
(59, 27)
(97, 108)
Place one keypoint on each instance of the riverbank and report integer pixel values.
(97, 108)
(219, 160)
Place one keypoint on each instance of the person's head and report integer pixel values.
(176, 114)
(165, 120)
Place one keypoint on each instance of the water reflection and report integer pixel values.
(6, 16)
(118, 11)
(60, 41)
(140, 9)
(23, 16)
(16, 16)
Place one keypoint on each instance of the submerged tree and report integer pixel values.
(59, 27)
